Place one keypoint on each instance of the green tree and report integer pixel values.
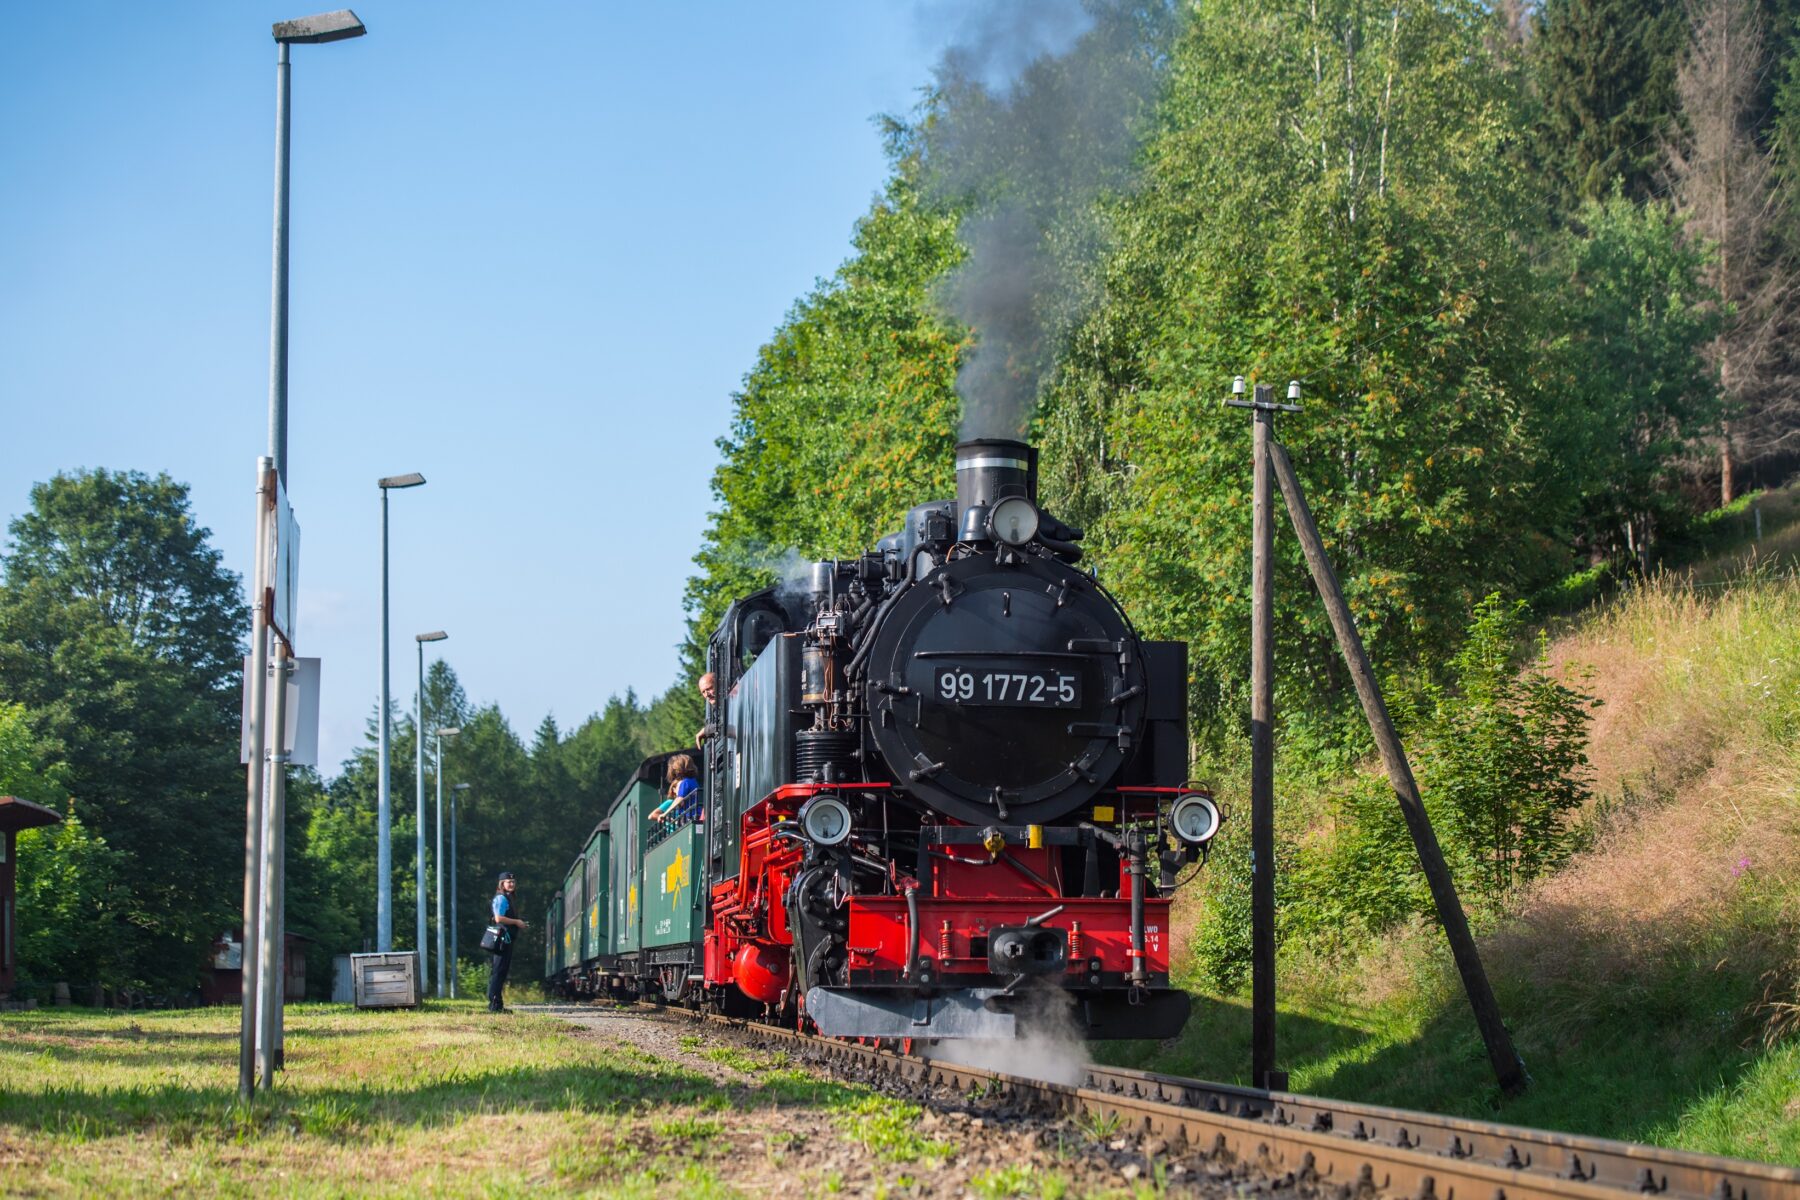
(1634, 315)
(68, 879)
(1604, 72)
(73, 896)
(1327, 198)
(23, 771)
(1508, 755)
(119, 634)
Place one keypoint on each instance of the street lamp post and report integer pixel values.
(437, 635)
(324, 27)
(261, 1019)
(438, 857)
(384, 817)
(455, 791)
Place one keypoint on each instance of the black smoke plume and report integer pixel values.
(1038, 109)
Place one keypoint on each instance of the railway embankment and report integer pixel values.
(1652, 981)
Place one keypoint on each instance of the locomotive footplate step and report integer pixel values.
(963, 1013)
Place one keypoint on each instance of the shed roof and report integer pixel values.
(16, 814)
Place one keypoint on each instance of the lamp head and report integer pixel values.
(412, 479)
(436, 635)
(321, 27)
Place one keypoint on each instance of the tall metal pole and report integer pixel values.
(384, 845)
(438, 857)
(268, 982)
(278, 315)
(257, 686)
(278, 762)
(452, 885)
(264, 1021)
(1509, 1068)
(419, 753)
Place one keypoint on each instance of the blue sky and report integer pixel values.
(535, 249)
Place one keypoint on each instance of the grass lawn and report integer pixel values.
(443, 1101)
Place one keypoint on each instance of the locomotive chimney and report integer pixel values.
(989, 470)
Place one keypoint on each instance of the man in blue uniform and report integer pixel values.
(501, 962)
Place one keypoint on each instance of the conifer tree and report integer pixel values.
(1604, 74)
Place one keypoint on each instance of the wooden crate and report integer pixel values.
(385, 980)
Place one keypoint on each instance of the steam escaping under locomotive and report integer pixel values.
(944, 791)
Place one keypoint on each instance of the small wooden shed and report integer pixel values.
(224, 983)
(15, 814)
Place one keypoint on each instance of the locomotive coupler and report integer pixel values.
(1015, 951)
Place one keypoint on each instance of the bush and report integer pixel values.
(1507, 758)
(1221, 943)
(1365, 878)
(1502, 766)
(71, 899)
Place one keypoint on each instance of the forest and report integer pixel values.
(1534, 268)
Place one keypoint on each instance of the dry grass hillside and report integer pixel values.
(1652, 983)
(1697, 830)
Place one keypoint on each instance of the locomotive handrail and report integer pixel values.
(1000, 654)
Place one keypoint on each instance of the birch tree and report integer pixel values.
(1330, 198)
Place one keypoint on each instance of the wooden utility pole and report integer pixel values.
(1508, 1067)
(1263, 1073)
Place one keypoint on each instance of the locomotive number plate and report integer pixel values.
(1028, 687)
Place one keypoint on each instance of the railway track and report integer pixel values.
(1328, 1146)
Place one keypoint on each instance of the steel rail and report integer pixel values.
(1357, 1149)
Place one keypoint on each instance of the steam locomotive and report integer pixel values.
(944, 795)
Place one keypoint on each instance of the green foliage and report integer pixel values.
(1346, 224)
(1501, 759)
(1221, 943)
(73, 894)
(1604, 72)
(1502, 767)
(1626, 353)
(23, 771)
(1365, 877)
(119, 635)
(1508, 757)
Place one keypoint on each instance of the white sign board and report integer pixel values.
(302, 739)
(284, 567)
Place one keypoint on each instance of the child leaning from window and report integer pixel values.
(683, 784)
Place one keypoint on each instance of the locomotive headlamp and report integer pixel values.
(826, 820)
(1195, 819)
(1014, 521)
